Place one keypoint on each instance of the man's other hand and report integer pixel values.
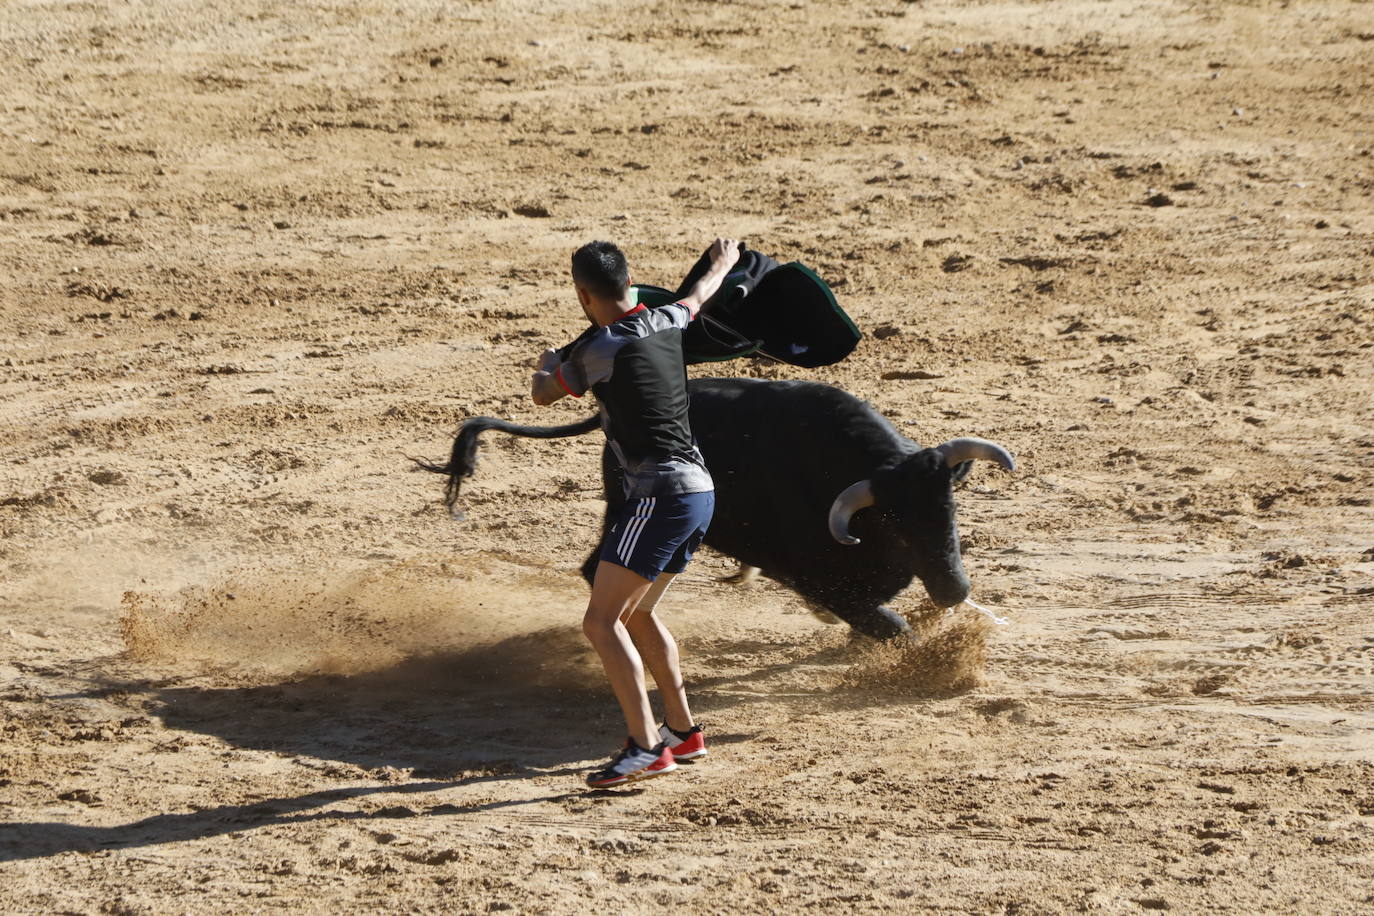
(544, 388)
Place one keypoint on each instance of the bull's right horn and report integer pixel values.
(957, 451)
(856, 497)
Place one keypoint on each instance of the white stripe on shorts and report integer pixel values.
(630, 538)
(629, 527)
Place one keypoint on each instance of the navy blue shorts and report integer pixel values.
(659, 533)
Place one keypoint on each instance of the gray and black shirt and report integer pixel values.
(635, 368)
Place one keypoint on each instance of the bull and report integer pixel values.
(814, 488)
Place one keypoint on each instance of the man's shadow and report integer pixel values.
(535, 703)
(491, 713)
(37, 840)
(532, 701)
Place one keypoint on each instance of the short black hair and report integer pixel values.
(601, 269)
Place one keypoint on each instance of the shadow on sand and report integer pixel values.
(37, 840)
(531, 703)
(535, 701)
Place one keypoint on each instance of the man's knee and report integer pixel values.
(594, 626)
(600, 620)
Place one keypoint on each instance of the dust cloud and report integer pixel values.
(937, 659)
(403, 619)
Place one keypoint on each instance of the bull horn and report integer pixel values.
(856, 497)
(957, 451)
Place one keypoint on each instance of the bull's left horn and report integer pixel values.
(856, 497)
(957, 451)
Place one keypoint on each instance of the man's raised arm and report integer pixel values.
(724, 253)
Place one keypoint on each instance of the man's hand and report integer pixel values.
(548, 361)
(724, 251)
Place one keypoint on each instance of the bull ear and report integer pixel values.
(957, 451)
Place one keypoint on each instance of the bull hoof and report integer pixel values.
(882, 624)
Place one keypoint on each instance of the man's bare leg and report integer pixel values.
(616, 591)
(660, 653)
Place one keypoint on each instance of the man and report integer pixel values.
(632, 360)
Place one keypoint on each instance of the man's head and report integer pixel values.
(599, 271)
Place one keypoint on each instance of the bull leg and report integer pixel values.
(743, 576)
(589, 564)
(881, 622)
(857, 603)
(877, 620)
(594, 558)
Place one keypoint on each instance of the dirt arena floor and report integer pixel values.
(255, 254)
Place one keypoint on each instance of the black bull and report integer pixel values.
(794, 464)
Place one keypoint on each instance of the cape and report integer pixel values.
(782, 311)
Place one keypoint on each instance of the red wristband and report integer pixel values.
(558, 377)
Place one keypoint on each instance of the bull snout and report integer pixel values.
(948, 591)
(943, 574)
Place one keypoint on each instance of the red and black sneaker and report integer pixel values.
(632, 764)
(688, 745)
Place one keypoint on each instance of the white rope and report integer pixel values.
(1000, 621)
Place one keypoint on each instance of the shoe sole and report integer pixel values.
(691, 755)
(637, 776)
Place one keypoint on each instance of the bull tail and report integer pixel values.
(463, 459)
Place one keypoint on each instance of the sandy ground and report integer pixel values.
(254, 254)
